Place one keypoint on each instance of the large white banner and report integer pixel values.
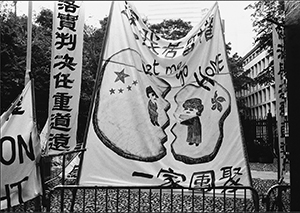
(165, 111)
(20, 153)
(65, 77)
(280, 91)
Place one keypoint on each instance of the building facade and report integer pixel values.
(259, 99)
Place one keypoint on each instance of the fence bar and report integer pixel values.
(224, 200)
(95, 203)
(234, 200)
(214, 199)
(128, 201)
(117, 200)
(63, 170)
(171, 199)
(245, 200)
(62, 199)
(182, 199)
(106, 207)
(47, 201)
(160, 199)
(150, 210)
(139, 200)
(193, 198)
(83, 200)
(203, 200)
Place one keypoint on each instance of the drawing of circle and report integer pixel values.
(119, 122)
(212, 124)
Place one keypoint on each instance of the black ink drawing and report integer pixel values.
(192, 112)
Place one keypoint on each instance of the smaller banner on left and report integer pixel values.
(20, 152)
(65, 76)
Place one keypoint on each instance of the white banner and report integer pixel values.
(65, 78)
(20, 152)
(165, 111)
(280, 90)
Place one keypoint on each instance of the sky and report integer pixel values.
(238, 24)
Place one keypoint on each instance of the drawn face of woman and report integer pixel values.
(152, 97)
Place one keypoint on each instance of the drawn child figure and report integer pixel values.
(192, 110)
(152, 105)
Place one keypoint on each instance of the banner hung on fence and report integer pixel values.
(20, 151)
(165, 111)
(65, 77)
(280, 94)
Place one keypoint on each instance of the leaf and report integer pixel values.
(216, 95)
(221, 99)
(213, 107)
(219, 106)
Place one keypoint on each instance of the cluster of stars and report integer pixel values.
(121, 90)
(121, 77)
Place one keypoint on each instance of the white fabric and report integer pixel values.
(130, 146)
(280, 84)
(65, 77)
(20, 152)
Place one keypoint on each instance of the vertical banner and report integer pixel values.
(20, 151)
(65, 77)
(165, 111)
(280, 90)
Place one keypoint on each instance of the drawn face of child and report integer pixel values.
(190, 111)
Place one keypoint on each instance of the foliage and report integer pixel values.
(171, 29)
(240, 78)
(92, 46)
(266, 13)
(13, 61)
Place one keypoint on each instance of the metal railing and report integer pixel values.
(278, 198)
(69, 198)
(33, 205)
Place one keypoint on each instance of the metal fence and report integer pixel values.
(73, 198)
(61, 195)
(34, 205)
(278, 198)
(262, 139)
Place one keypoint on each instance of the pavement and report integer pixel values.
(268, 175)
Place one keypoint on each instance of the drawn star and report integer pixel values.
(134, 82)
(120, 90)
(121, 76)
(129, 88)
(112, 91)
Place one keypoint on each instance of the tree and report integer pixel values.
(241, 80)
(92, 46)
(13, 59)
(265, 14)
(171, 29)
